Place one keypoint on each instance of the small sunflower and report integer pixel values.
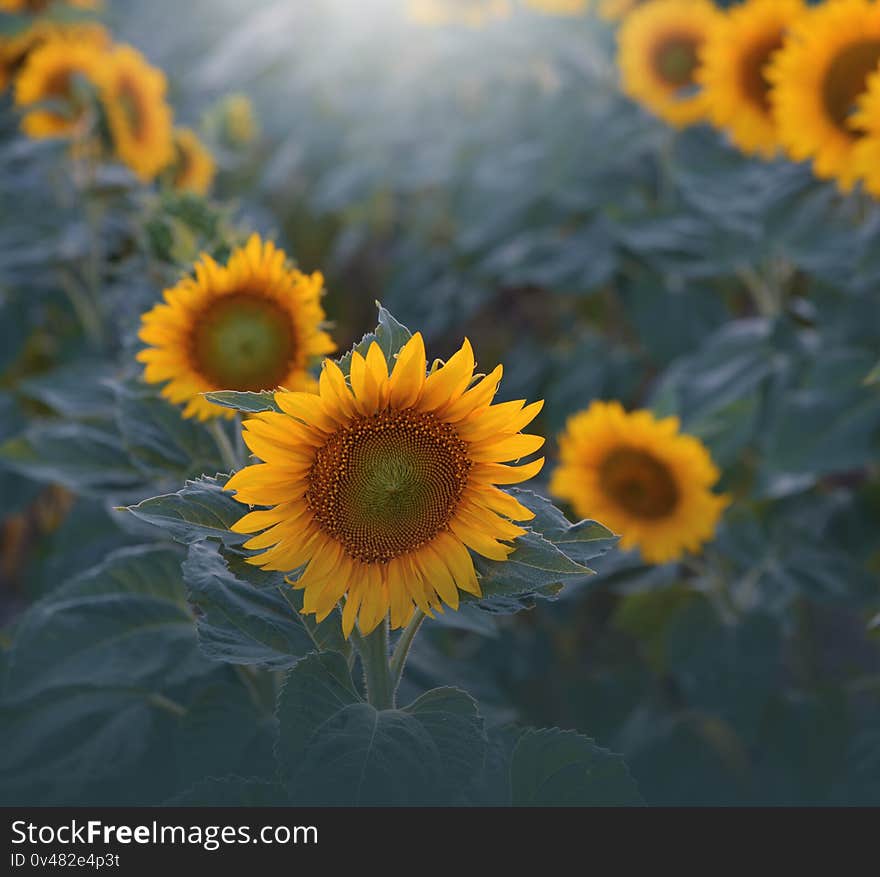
(35, 7)
(640, 477)
(613, 10)
(560, 7)
(660, 45)
(866, 155)
(138, 116)
(52, 73)
(474, 13)
(15, 49)
(253, 324)
(193, 167)
(734, 72)
(818, 78)
(380, 484)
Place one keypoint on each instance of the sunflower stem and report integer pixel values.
(401, 650)
(224, 445)
(374, 659)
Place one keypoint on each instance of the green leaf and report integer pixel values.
(85, 459)
(388, 334)
(317, 688)
(550, 555)
(562, 768)
(124, 623)
(362, 757)
(452, 719)
(247, 402)
(159, 440)
(201, 510)
(78, 390)
(580, 542)
(537, 568)
(239, 623)
(231, 791)
(335, 749)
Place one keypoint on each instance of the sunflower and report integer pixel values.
(560, 7)
(617, 9)
(734, 72)
(35, 7)
(15, 50)
(818, 79)
(640, 477)
(193, 168)
(866, 155)
(659, 56)
(253, 324)
(474, 13)
(380, 484)
(53, 72)
(139, 119)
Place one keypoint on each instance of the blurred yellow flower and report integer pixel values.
(641, 477)
(734, 72)
(660, 44)
(193, 168)
(140, 121)
(866, 154)
(15, 49)
(473, 13)
(818, 79)
(54, 73)
(252, 324)
(381, 483)
(35, 7)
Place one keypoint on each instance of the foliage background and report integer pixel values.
(490, 183)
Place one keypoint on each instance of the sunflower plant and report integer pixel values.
(376, 506)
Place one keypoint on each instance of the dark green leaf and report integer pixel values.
(247, 402)
(562, 768)
(201, 510)
(239, 623)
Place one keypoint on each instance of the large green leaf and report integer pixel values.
(335, 749)
(317, 688)
(200, 510)
(159, 440)
(98, 678)
(84, 458)
(363, 756)
(238, 622)
(550, 767)
(452, 719)
(123, 624)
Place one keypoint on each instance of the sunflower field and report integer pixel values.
(459, 402)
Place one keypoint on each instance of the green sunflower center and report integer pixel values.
(755, 84)
(847, 79)
(638, 482)
(386, 484)
(676, 60)
(243, 342)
